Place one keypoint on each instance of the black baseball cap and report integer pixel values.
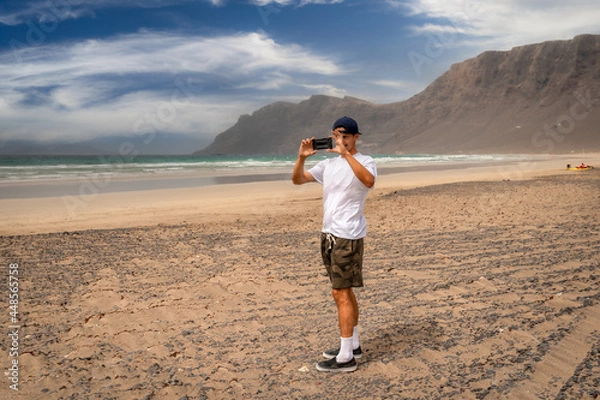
(348, 124)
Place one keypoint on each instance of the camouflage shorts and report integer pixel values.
(343, 260)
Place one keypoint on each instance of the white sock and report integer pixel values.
(355, 341)
(345, 353)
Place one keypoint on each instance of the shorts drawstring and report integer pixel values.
(330, 241)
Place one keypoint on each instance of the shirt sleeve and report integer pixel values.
(317, 171)
(370, 165)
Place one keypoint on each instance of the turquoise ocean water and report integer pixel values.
(59, 168)
(87, 176)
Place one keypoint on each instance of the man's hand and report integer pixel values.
(306, 149)
(344, 151)
(299, 176)
(339, 148)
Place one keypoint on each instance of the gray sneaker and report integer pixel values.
(332, 365)
(329, 354)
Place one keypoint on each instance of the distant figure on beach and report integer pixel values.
(346, 181)
(582, 166)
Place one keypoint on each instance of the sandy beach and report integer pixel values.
(480, 283)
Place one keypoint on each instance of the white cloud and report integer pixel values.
(54, 11)
(307, 2)
(504, 24)
(263, 3)
(396, 84)
(143, 113)
(298, 3)
(149, 52)
(101, 87)
(326, 89)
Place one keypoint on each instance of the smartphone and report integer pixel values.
(322, 144)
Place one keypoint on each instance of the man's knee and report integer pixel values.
(342, 295)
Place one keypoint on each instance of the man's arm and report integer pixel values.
(361, 173)
(299, 176)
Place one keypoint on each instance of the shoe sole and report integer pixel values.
(343, 369)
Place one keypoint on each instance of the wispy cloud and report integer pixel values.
(45, 11)
(296, 3)
(503, 24)
(326, 89)
(104, 86)
(398, 84)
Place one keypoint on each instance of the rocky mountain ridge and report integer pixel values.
(539, 98)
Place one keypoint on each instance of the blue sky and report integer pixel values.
(82, 69)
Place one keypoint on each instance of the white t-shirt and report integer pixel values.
(343, 196)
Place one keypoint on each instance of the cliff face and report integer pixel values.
(539, 98)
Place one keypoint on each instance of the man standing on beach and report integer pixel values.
(346, 181)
